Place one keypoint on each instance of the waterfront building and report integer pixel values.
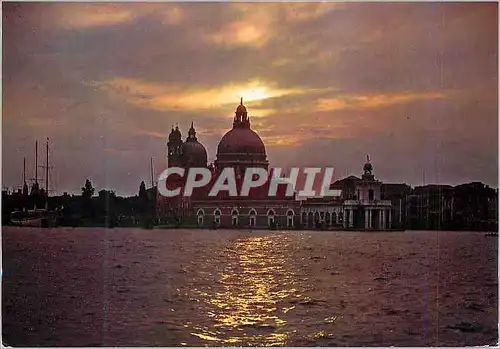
(430, 207)
(397, 193)
(471, 206)
(360, 206)
(366, 209)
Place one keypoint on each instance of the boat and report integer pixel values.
(36, 217)
(494, 234)
(31, 218)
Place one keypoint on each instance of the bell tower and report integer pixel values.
(174, 145)
(368, 189)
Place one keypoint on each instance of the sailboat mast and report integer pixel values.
(47, 169)
(151, 168)
(24, 170)
(36, 162)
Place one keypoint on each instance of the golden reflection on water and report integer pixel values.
(246, 310)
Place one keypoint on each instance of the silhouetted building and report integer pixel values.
(240, 148)
(471, 206)
(359, 207)
(397, 193)
(430, 207)
(474, 206)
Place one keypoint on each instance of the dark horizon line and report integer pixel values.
(76, 193)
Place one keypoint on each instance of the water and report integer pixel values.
(132, 287)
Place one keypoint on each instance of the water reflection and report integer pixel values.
(247, 309)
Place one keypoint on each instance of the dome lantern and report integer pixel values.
(368, 167)
(241, 116)
(191, 133)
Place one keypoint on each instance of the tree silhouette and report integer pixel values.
(87, 193)
(142, 190)
(88, 190)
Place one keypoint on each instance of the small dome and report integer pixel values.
(194, 153)
(368, 167)
(175, 135)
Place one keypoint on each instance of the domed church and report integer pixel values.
(242, 148)
(239, 148)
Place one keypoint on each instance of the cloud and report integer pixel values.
(255, 24)
(306, 12)
(413, 84)
(166, 97)
(92, 16)
(373, 101)
(87, 16)
(240, 33)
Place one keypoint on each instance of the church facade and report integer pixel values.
(358, 208)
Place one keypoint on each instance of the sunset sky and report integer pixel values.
(413, 85)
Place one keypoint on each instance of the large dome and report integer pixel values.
(241, 141)
(241, 147)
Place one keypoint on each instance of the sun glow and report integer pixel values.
(179, 97)
(254, 94)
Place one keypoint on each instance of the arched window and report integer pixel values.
(341, 217)
(234, 217)
(334, 217)
(327, 218)
(217, 216)
(200, 216)
(270, 218)
(252, 217)
(370, 194)
(289, 218)
(304, 218)
(310, 219)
